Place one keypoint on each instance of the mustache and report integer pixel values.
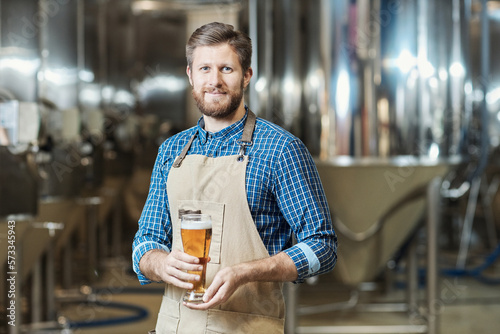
(215, 90)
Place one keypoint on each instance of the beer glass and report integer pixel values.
(196, 233)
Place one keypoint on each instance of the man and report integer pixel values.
(258, 183)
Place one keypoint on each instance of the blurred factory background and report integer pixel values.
(398, 100)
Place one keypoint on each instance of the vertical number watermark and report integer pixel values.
(11, 272)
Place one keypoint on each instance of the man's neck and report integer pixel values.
(216, 124)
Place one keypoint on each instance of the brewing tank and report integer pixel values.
(491, 82)
(380, 98)
(19, 115)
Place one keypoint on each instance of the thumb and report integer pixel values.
(211, 291)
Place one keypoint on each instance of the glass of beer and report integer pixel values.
(196, 233)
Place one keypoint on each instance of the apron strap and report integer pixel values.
(246, 140)
(246, 137)
(178, 161)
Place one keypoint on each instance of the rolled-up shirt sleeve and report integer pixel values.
(303, 203)
(154, 231)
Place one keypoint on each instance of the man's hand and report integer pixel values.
(223, 286)
(278, 268)
(159, 265)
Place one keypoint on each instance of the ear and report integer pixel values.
(247, 77)
(188, 72)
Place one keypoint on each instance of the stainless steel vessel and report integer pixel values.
(19, 116)
(379, 91)
(491, 82)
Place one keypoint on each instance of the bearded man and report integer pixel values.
(260, 186)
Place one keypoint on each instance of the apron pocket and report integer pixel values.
(226, 322)
(216, 211)
(168, 316)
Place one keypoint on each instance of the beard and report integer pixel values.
(220, 107)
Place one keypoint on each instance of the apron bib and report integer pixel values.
(216, 186)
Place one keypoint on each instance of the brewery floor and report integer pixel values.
(117, 303)
(466, 306)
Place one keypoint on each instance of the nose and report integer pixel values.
(215, 79)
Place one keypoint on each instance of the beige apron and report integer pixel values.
(216, 186)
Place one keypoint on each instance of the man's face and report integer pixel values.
(218, 80)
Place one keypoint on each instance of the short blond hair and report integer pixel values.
(219, 33)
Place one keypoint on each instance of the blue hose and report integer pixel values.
(477, 272)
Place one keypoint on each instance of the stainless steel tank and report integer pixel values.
(492, 80)
(379, 91)
(18, 171)
(22, 56)
(19, 64)
(58, 80)
(493, 102)
(493, 98)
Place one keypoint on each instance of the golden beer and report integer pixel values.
(196, 233)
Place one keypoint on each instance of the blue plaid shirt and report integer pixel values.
(285, 195)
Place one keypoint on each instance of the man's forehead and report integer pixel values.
(214, 53)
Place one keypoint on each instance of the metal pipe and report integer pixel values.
(80, 46)
(1, 25)
(36, 293)
(92, 205)
(51, 228)
(50, 281)
(102, 42)
(412, 278)
(67, 255)
(484, 82)
(349, 304)
(291, 299)
(253, 34)
(468, 222)
(269, 54)
(103, 240)
(117, 225)
(424, 111)
(396, 329)
(432, 227)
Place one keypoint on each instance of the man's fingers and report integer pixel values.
(184, 257)
(185, 266)
(183, 261)
(180, 268)
(217, 293)
(179, 283)
(180, 278)
(209, 294)
(209, 301)
(182, 274)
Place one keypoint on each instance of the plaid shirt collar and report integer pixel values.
(228, 133)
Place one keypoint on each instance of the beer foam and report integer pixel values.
(198, 225)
